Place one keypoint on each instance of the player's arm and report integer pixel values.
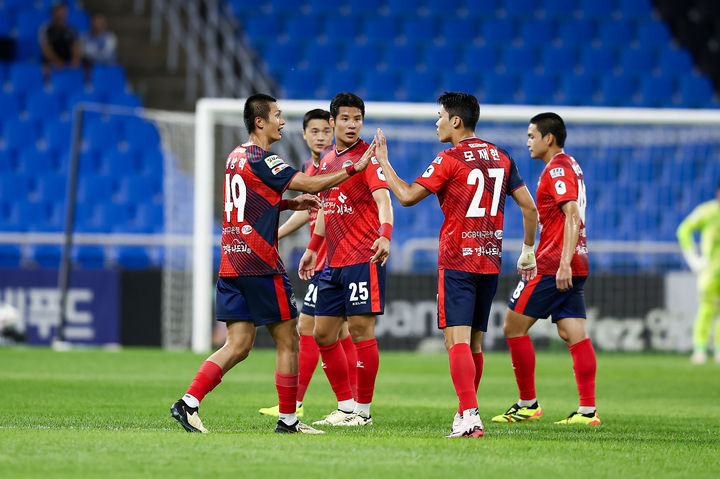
(571, 233)
(381, 246)
(685, 231)
(526, 265)
(408, 195)
(306, 269)
(318, 183)
(294, 223)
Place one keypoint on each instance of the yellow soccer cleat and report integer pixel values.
(516, 413)
(590, 419)
(275, 411)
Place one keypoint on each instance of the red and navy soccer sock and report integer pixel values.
(368, 363)
(334, 363)
(522, 354)
(352, 359)
(307, 362)
(585, 367)
(462, 372)
(209, 376)
(287, 387)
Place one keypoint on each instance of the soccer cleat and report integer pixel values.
(471, 426)
(456, 430)
(187, 416)
(590, 419)
(298, 427)
(515, 413)
(356, 419)
(275, 411)
(333, 419)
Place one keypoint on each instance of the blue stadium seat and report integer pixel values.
(67, 80)
(9, 105)
(594, 9)
(149, 218)
(6, 162)
(652, 33)
(695, 91)
(448, 6)
(616, 33)
(122, 98)
(88, 256)
(345, 28)
(14, 186)
(520, 60)
(281, 56)
(46, 256)
(402, 5)
(578, 90)
(498, 31)
(304, 27)
(380, 29)
(151, 162)
(325, 7)
(558, 8)
(79, 20)
(561, 59)
(635, 8)
(6, 25)
(259, 26)
(362, 56)
(81, 96)
(539, 89)
(138, 189)
(420, 87)
(380, 85)
(598, 61)
(460, 31)
(322, 56)
(100, 135)
(19, 134)
(537, 32)
(108, 78)
(95, 189)
(25, 77)
(125, 162)
(337, 81)
(520, 8)
(31, 161)
(467, 82)
(656, 91)
(637, 61)
(58, 135)
(300, 84)
(29, 22)
(41, 105)
(440, 57)
(9, 256)
(141, 134)
(401, 57)
(52, 187)
(675, 61)
(133, 257)
(480, 59)
(500, 88)
(364, 6)
(420, 30)
(575, 32)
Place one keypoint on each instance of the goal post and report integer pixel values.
(210, 111)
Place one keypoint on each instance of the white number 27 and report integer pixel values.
(476, 177)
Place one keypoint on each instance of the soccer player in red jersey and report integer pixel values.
(318, 134)
(357, 226)
(557, 290)
(253, 289)
(471, 181)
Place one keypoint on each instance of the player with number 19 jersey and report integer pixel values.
(351, 214)
(255, 180)
(560, 181)
(471, 181)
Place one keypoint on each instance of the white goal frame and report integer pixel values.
(208, 110)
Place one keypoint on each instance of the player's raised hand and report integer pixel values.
(381, 152)
(526, 264)
(365, 158)
(563, 278)
(382, 245)
(304, 202)
(307, 265)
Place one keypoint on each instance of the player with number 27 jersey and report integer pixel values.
(255, 180)
(471, 181)
(560, 181)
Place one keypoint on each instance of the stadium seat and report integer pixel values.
(500, 88)
(467, 82)
(325, 7)
(81, 96)
(100, 135)
(151, 162)
(337, 27)
(304, 27)
(634, 8)
(6, 162)
(18, 134)
(25, 77)
(67, 80)
(498, 32)
(9, 105)
(149, 218)
(561, 59)
(598, 61)
(449, 6)
(696, 91)
(139, 189)
(52, 187)
(337, 81)
(480, 59)
(401, 57)
(95, 189)
(133, 257)
(10, 256)
(362, 56)
(539, 89)
(141, 134)
(259, 26)
(657, 91)
(381, 85)
(301, 84)
(558, 8)
(120, 163)
(380, 30)
(653, 32)
(637, 61)
(46, 256)
(281, 56)
(595, 9)
(89, 256)
(30, 161)
(459, 31)
(28, 22)
(421, 30)
(41, 105)
(322, 56)
(79, 20)
(440, 58)
(575, 32)
(616, 33)
(675, 61)
(108, 78)
(520, 8)
(364, 6)
(537, 32)
(58, 135)
(420, 87)
(520, 60)
(122, 98)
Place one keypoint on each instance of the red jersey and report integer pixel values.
(310, 169)
(560, 181)
(351, 214)
(254, 182)
(471, 181)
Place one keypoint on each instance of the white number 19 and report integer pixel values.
(235, 196)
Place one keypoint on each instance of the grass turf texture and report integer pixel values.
(103, 414)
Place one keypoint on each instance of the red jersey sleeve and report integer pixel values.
(563, 185)
(373, 176)
(436, 174)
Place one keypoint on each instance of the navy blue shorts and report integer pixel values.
(351, 290)
(464, 299)
(260, 299)
(311, 294)
(540, 298)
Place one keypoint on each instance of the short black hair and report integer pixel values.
(463, 105)
(550, 122)
(316, 114)
(257, 105)
(346, 98)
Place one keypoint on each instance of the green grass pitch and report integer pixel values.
(106, 414)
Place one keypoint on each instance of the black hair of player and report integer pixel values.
(346, 98)
(257, 105)
(550, 122)
(316, 114)
(463, 105)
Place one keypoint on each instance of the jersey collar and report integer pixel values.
(340, 153)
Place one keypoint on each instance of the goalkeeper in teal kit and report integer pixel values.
(705, 218)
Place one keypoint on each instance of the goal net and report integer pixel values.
(645, 169)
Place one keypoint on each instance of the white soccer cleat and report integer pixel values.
(456, 430)
(471, 426)
(333, 419)
(356, 419)
(698, 357)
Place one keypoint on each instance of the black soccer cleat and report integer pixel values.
(298, 427)
(187, 417)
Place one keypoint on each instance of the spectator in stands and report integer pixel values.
(58, 40)
(99, 45)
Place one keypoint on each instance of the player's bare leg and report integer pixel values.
(574, 333)
(327, 331)
(462, 372)
(238, 343)
(522, 354)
